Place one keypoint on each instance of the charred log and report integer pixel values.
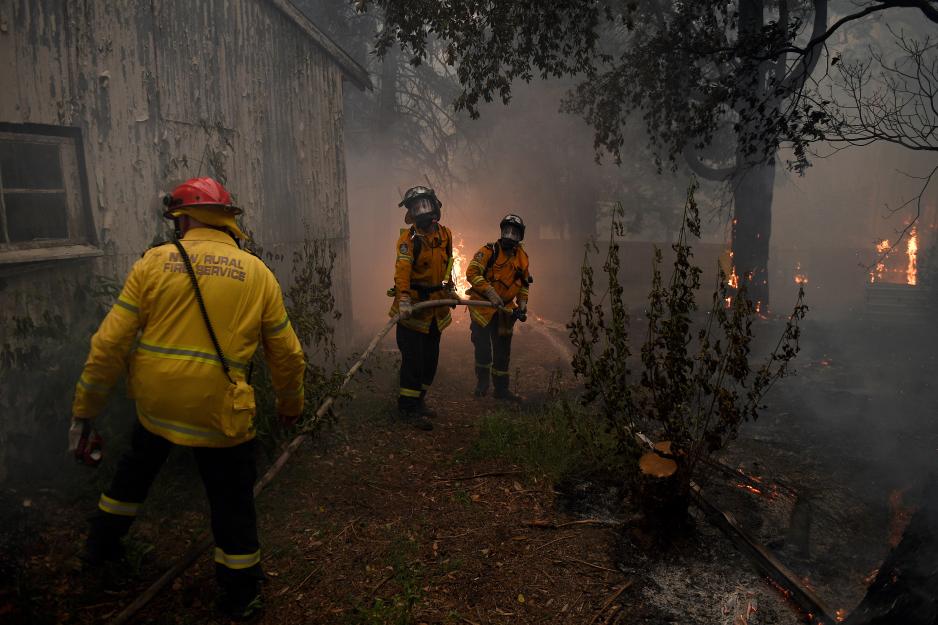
(905, 589)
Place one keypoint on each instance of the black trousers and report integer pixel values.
(492, 351)
(420, 355)
(228, 475)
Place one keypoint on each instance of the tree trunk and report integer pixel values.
(905, 589)
(752, 230)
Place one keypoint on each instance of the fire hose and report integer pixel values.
(204, 543)
(766, 561)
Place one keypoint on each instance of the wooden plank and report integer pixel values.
(41, 254)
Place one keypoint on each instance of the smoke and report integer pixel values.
(829, 221)
(526, 158)
(857, 410)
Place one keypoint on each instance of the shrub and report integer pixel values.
(310, 304)
(695, 385)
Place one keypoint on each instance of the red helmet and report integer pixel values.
(199, 192)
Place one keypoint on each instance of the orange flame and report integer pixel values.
(882, 249)
(460, 264)
(911, 250)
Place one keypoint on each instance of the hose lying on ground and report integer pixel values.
(205, 542)
(763, 559)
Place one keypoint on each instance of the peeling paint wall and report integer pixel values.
(163, 90)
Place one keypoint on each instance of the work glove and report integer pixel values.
(492, 295)
(521, 312)
(451, 293)
(85, 443)
(405, 307)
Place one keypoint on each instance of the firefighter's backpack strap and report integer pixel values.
(418, 244)
(496, 249)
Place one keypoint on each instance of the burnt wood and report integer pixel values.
(905, 590)
(812, 605)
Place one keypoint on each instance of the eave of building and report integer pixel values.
(349, 66)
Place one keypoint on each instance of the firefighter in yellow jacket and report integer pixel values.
(499, 273)
(422, 272)
(189, 375)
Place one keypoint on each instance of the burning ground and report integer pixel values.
(487, 520)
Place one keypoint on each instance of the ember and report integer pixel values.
(801, 278)
(751, 489)
(882, 250)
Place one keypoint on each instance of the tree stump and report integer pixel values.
(664, 497)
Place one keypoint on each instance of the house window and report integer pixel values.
(43, 215)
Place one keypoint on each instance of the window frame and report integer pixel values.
(80, 241)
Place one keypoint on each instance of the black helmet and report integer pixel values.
(417, 193)
(512, 223)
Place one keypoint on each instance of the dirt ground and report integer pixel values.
(375, 522)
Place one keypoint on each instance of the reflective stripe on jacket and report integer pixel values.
(175, 374)
(508, 275)
(428, 271)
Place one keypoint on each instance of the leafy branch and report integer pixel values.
(696, 384)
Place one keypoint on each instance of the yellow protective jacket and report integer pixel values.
(508, 274)
(156, 329)
(424, 278)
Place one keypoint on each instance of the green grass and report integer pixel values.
(407, 575)
(554, 440)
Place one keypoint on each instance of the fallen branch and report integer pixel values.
(609, 601)
(381, 584)
(463, 478)
(551, 525)
(739, 474)
(590, 564)
(551, 542)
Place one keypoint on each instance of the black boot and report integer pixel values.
(412, 417)
(501, 390)
(241, 601)
(104, 564)
(104, 539)
(423, 409)
(482, 381)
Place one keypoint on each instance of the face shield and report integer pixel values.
(421, 207)
(511, 232)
